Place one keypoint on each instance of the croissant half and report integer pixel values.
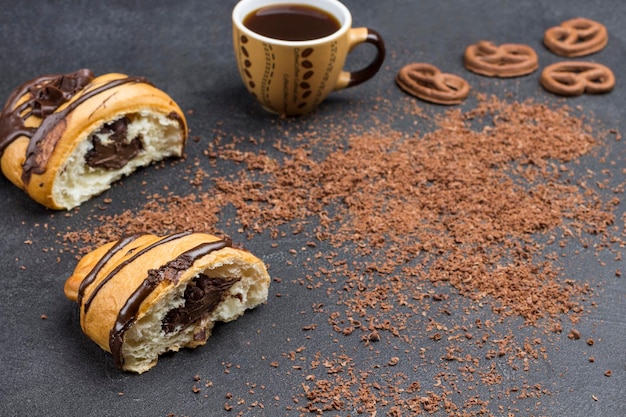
(66, 138)
(144, 295)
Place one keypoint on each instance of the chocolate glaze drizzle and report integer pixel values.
(170, 271)
(91, 276)
(47, 94)
(117, 269)
(51, 130)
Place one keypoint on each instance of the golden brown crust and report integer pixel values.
(506, 60)
(89, 115)
(576, 37)
(124, 266)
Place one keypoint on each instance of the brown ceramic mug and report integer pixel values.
(290, 66)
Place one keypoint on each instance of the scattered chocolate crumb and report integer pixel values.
(574, 334)
(474, 214)
(608, 373)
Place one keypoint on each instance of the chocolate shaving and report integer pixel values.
(409, 238)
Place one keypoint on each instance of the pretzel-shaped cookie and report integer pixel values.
(427, 82)
(506, 60)
(573, 78)
(576, 37)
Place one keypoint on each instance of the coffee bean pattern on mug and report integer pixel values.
(247, 63)
(269, 68)
(307, 65)
(302, 61)
(289, 70)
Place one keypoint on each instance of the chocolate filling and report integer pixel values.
(171, 271)
(116, 150)
(202, 296)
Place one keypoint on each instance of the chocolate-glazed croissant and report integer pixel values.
(66, 138)
(144, 295)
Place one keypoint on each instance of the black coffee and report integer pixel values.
(292, 22)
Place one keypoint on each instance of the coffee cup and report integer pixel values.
(291, 53)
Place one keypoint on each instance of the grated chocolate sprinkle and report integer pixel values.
(412, 230)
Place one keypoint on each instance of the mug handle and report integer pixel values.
(357, 36)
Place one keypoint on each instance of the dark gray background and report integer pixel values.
(49, 368)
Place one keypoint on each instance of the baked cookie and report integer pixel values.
(427, 82)
(144, 295)
(504, 61)
(576, 37)
(573, 78)
(66, 138)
